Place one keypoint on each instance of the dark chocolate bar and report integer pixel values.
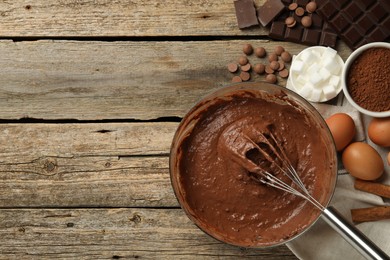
(319, 33)
(357, 22)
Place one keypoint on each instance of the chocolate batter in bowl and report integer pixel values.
(213, 183)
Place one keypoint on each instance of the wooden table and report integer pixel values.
(91, 93)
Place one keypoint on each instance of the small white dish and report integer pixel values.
(344, 75)
(315, 74)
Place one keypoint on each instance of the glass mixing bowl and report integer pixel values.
(184, 184)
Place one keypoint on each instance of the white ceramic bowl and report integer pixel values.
(293, 84)
(344, 75)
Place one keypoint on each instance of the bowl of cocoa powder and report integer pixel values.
(366, 79)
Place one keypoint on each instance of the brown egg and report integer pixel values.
(362, 161)
(342, 128)
(379, 131)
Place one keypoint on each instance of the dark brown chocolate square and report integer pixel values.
(328, 39)
(311, 37)
(340, 3)
(365, 24)
(353, 11)
(277, 30)
(269, 11)
(340, 22)
(316, 20)
(352, 35)
(245, 13)
(379, 12)
(386, 24)
(329, 10)
(367, 3)
(294, 34)
(378, 34)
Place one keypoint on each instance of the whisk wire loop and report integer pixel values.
(286, 168)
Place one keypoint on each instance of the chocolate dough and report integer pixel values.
(215, 185)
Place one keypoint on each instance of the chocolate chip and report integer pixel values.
(311, 7)
(268, 69)
(272, 57)
(274, 65)
(260, 52)
(290, 21)
(286, 56)
(306, 21)
(236, 79)
(259, 68)
(299, 11)
(247, 49)
(278, 50)
(243, 60)
(245, 76)
(271, 78)
(232, 67)
(283, 73)
(292, 6)
(247, 67)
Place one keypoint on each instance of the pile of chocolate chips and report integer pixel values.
(276, 65)
(299, 11)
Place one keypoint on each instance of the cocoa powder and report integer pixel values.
(368, 79)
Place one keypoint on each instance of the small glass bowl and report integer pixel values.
(191, 120)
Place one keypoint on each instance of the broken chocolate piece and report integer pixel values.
(245, 13)
(269, 11)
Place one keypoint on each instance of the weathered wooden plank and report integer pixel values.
(87, 182)
(75, 165)
(115, 80)
(113, 233)
(120, 18)
(33, 141)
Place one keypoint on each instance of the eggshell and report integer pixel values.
(379, 131)
(343, 129)
(362, 161)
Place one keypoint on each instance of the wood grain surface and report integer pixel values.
(95, 80)
(109, 165)
(91, 93)
(97, 190)
(119, 233)
(86, 18)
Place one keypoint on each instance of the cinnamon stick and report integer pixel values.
(370, 214)
(373, 187)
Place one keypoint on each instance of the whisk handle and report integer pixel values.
(352, 235)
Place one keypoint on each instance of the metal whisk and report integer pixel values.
(286, 168)
(280, 160)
